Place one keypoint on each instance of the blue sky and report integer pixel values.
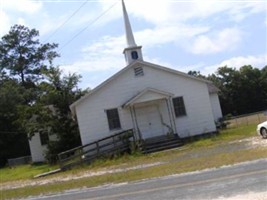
(183, 35)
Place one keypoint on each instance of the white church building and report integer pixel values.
(152, 100)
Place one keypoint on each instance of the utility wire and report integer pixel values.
(90, 24)
(60, 26)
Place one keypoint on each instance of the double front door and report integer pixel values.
(149, 121)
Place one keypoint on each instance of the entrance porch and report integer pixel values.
(152, 114)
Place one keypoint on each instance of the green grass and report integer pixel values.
(29, 171)
(238, 133)
(226, 135)
(23, 172)
(133, 175)
(173, 158)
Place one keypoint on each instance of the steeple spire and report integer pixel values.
(132, 52)
(129, 33)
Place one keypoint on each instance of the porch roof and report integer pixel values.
(148, 94)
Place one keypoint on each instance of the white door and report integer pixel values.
(149, 122)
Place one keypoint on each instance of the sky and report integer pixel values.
(184, 35)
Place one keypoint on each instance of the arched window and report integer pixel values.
(134, 55)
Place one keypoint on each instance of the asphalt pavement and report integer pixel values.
(207, 184)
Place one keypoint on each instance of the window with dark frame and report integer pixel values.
(113, 119)
(179, 107)
(134, 55)
(44, 138)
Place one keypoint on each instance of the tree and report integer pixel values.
(263, 86)
(241, 91)
(11, 135)
(23, 61)
(251, 97)
(196, 74)
(52, 112)
(22, 55)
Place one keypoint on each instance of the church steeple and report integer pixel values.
(129, 33)
(132, 52)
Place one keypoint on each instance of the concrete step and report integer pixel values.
(161, 143)
(162, 139)
(161, 148)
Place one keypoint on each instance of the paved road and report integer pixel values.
(207, 184)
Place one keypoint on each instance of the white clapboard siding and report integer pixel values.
(37, 150)
(216, 108)
(91, 114)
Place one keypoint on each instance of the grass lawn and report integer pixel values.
(227, 135)
(23, 172)
(187, 158)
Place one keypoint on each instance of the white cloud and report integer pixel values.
(26, 6)
(215, 42)
(106, 53)
(21, 21)
(172, 14)
(11, 10)
(139, 9)
(256, 61)
(170, 23)
(161, 62)
(163, 11)
(94, 65)
(4, 23)
(48, 24)
(168, 34)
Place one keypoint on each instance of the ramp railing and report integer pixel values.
(105, 147)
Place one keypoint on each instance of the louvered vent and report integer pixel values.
(138, 71)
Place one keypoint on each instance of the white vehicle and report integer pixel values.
(262, 129)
